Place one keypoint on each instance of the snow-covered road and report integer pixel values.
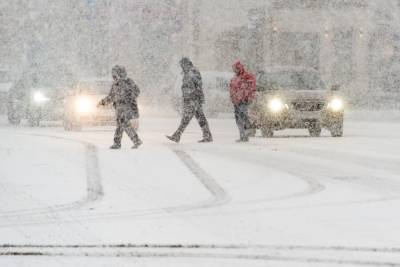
(67, 200)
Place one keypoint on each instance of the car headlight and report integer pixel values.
(40, 97)
(336, 104)
(276, 105)
(84, 105)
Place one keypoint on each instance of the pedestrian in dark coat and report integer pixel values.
(193, 100)
(122, 96)
(242, 92)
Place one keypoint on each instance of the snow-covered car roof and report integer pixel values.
(288, 68)
(310, 78)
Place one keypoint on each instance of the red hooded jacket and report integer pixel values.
(242, 86)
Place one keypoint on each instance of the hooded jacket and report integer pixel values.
(192, 86)
(242, 86)
(123, 94)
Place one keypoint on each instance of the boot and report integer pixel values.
(115, 146)
(207, 137)
(174, 138)
(242, 140)
(206, 140)
(137, 144)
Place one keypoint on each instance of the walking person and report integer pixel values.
(193, 100)
(242, 92)
(123, 96)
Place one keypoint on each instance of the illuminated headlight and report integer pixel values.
(336, 105)
(84, 105)
(276, 105)
(39, 97)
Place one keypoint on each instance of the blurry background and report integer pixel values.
(354, 43)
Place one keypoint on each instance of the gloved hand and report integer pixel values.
(100, 104)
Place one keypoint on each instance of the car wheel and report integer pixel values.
(34, 122)
(67, 128)
(13, 117)
(337, 129)
(315, 130)
(77, 127)
(267, 131)
(67, 125)
(14, 120)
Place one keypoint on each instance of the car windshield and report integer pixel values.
(291, 80)
(95, 87)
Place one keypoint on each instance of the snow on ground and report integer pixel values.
(67, 200)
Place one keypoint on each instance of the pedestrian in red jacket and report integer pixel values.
(243, 92)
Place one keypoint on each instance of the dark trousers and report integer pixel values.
(242, 119)
(193, 109)
(124, 125)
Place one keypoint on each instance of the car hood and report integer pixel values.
(303, 95)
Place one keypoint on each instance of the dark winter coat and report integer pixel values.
(242, 86)
(123, 95)
(192, 86)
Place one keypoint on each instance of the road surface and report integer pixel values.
(67, 200)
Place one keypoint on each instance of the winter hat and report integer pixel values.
(238, 66)
(119, 71)
(186, 62)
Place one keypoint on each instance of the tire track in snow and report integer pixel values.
(94, 189)
(268, 253)
(313, 186)
(219, 195)
(278, 164)
(95, 192)
(394, 197)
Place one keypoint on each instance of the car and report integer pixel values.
(5, 85)
(295, 97)
(15, 104)
(216, 91)
(34, 104)
(44, 104)
(80, 105)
